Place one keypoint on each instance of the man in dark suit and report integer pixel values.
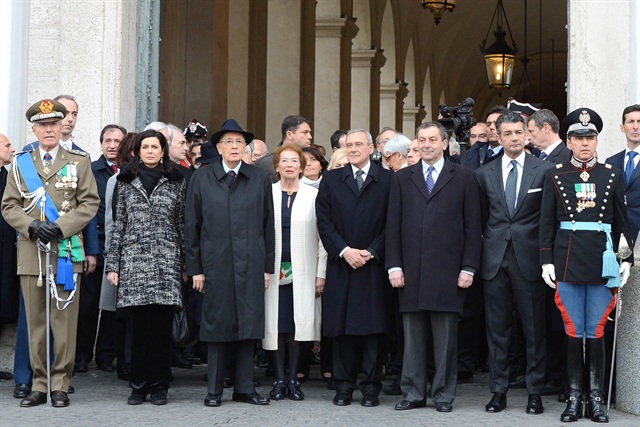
(487, 152)
(511, 195)
(478, 138)
(627, 161)
(441, 200)
(103, 169)
(352, 212)
(544, 126)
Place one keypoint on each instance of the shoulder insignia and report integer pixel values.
(559, 166)
(607, 165)
(78, 152)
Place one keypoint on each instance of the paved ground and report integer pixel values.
(100, 399)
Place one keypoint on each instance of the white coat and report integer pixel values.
(308, 261)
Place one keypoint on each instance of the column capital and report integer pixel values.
(331, 28)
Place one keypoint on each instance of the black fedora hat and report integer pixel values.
(208, 154)
(230, 125)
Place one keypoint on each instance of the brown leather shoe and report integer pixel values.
(35, 398)
(59, 399)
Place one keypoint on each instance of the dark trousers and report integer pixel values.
(218, 356)
(471, 330)
(88, 321)
(150, 346)
(442, 327)
(353, 353)
(509, 286)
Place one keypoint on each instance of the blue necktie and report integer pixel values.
(510, 189)
(630, 166)
(47, 162)
(543, 155)
(430, 182)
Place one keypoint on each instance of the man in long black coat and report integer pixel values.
(433, 242)
(352, 210)
(230, 251)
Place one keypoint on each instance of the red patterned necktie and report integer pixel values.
(114, 168)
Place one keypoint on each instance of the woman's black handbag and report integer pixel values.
(180, 328)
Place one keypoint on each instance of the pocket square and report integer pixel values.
(534, 190)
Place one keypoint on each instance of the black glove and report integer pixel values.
(34, 228)
(45, 231)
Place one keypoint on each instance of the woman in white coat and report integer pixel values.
(292, 303)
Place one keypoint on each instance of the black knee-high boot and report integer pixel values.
(596, 409)
(575, 365)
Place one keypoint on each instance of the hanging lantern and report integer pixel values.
(437, 7)
(500, 56)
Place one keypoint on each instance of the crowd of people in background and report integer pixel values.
(411, 258)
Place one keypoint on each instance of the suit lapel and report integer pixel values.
(446, 174)
(529, 172)
(496, 182)
(634, 175)
(418, 179)
(347, 178)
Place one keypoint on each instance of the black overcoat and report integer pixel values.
(433, 236)
(230, 238)
(355, 301)
(9, 282)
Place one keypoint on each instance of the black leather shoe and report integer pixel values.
(393, 389)
(81, 366)
(444, 407)
(596, 409)
(227, 383)
(342, 398)
(534, 406)
(34, 398)
(497, 403)
(59, 399)
(293, 390)
(136, 399)
(20, 391)
(71, 390)
(6, 375)
(252, 398)
(279, 390)
(195, 360)
(407, 404)
(563, 397)
(106, 367)
(213, 399)
(369, 401)
(178, 360)
(573, 411)
(159, 396)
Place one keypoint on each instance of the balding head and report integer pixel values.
(6, 150)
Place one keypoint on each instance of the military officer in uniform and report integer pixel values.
(582, 220)
(50, 197)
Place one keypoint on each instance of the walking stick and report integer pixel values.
(49, 280)
(624, 252)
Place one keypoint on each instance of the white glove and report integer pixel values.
(625, 270)
(549, 275)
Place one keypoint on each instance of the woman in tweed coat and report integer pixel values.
(146, 260)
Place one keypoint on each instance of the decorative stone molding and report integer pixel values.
(333, 28)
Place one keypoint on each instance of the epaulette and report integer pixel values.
(559, 165)
(78, 152)
(607, 165)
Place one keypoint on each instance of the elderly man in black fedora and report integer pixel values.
(230, 240)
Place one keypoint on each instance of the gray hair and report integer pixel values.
(172, 128)
(398, 143)
(366, 132)
(157, 126)
(69, 97)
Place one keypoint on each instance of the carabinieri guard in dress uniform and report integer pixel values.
(582, 220)
(50, 197)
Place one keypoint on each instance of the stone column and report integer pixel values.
(600, 62)
(88, 52)
(327, 81)
(410, 120)
(361, 88)
(388, 93)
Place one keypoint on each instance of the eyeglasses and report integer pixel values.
(231, 141)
